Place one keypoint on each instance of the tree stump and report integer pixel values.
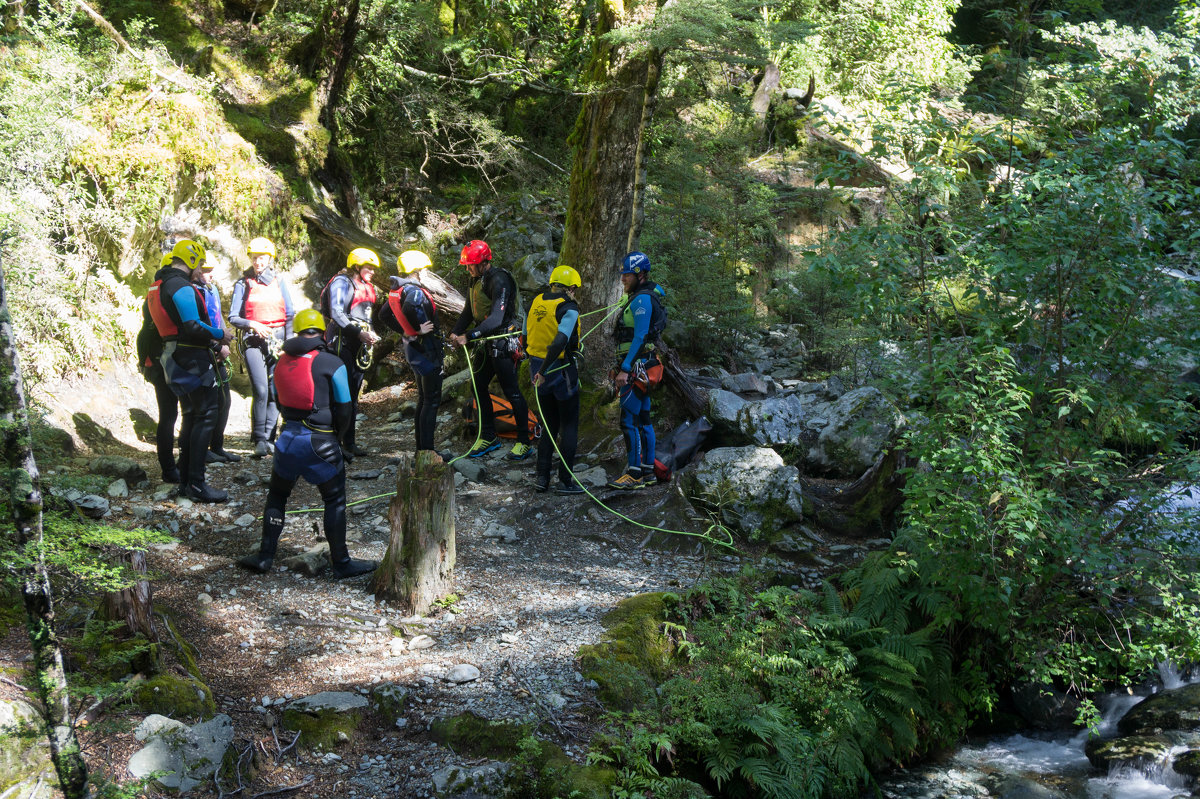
(418, 567)
(133, 605)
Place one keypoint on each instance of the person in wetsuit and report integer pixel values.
(149, 353)
(350, 302)
(188, 361)
(411, 312)
(552, 341)
(212, 303)
(313, 394)
(262, 308)
(492, 305)
(637, 332)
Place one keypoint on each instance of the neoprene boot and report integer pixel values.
(261, 560)
(203, 492)
(343, 565)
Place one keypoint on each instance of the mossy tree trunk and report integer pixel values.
(25, 500)
(608, 174)
(418, 567)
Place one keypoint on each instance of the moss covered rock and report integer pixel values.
(325, 719)
(1177, 709)
(469, 733)
(1135, 751)
(1188, 764)
(633, 656)
(24, 754)
(390, 700)
(178, 697)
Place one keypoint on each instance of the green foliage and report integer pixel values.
(78, 554)
(790, 694)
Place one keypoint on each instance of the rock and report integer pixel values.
(118, 488)
(92, 506)
(325, 718)
(502, 532)
(748, 383)
(594, 477)
(750, 487)
(311, 562)
(390, 700)
(1177, 709)
(1045, 708)
(1136, 752)
(722, 411)
(862, 425)
(421, 642)
(797, 541)
(24, 759)
(245, 520)
(188, 756)
(462, 673)
(471, 469)
(486, 779)
(633, 655)
(1188, 764)
(170, 694)
(246, 478)
(117, 466)
(370, 474)
(397, 647)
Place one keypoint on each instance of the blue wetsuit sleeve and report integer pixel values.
(341, 386)
(568, 322)
(643, 308)
(189, 313)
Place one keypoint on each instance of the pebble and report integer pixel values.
(462, 673)
(421, 642)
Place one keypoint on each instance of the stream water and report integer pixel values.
(1044, 766)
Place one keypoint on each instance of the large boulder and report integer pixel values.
(325, 718)
(1138, 752)
(750, 487)
(25, 767)
(182, 756)
(861, 425)
(1176, 709)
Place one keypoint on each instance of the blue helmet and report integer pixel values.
(635, 263)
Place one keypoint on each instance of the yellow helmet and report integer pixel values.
(362, 257)
(308, 319)
(565, 276)
(190, 252)
(166, 260)
(412, 260)
(260, 246)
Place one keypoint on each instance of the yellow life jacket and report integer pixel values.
(545, 312)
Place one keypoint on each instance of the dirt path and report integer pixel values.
(527, 602)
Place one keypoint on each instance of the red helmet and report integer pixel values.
(476, 252)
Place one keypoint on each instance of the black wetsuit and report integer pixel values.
(424, 353)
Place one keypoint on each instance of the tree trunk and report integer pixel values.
(608, 174)
(133, 605)
(694, 402)
(418, 567)
(26, 500)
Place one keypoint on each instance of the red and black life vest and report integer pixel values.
(166, 326)
(396, 302)
(294, 385)
(264, 304)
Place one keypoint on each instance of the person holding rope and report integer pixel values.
(188, 363)
(261, 308)
(552, 341)
(212, 304)
(313, 393)
(492, 304)
(411, 312)
(637, 332)
(348, 303)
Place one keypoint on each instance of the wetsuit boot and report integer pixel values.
(261, 560)
(333, 493)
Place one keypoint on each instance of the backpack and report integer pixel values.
(506, 426)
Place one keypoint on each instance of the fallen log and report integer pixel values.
(346, 236)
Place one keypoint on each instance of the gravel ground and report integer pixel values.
(528, 600)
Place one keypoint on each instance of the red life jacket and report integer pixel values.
(294, 385)
(363, 293)
(162, 320)
(396, 303)
(264, 303)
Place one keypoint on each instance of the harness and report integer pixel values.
(623, 332)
